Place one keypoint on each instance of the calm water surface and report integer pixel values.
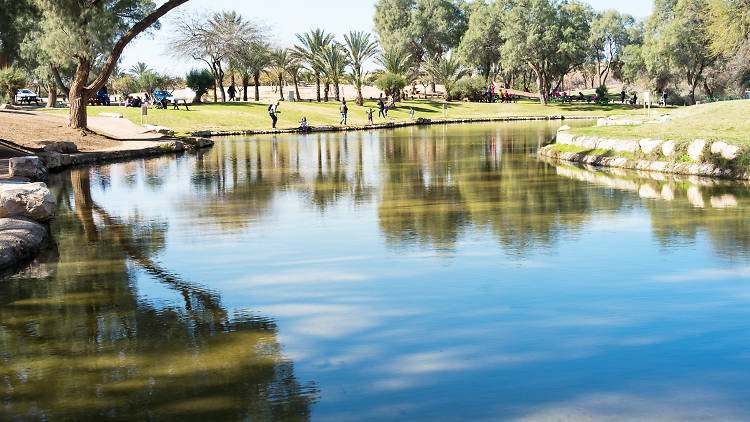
(420, 274)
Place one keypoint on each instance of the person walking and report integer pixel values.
(622, 96)
(411, 113)
(231, 91)
(272, 110)
(664, 98)
(344, 111)
(381, 108)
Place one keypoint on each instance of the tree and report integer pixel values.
(728, 24)
(447, 72)
(199, 81)
(18, 18)
(124, 85)
(138, 69)
(84, 29)
(281, 63)
(609, 36)
(360, 48)
(11, 80)
(551, 37)
(391, 84)
(333, 61)
(212, 40)
(254, 58)
(311, 43)
(480, 45)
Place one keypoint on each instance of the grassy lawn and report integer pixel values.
(727, 121)
(254, 116)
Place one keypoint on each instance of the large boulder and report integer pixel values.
(649, 145)
(668, 148)
(204, 142)
(176, 146)
(20, 239)
(727, 151)
(695, 149)
(55, 160)
(61, 147)
(29, 167)
(31, 200)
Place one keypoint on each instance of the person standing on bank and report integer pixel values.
(381, 108)
(344, 111)
(272, 110)
(622, 96)
(231, 91)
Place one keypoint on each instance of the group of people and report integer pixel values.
(489, 95)
(383, 107)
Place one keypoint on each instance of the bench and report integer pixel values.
(176, 103)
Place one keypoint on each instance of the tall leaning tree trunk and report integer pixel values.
(281, 87)
(79, 96)
(256, 82)
(51, 95)
(317, 86)
(221, 86)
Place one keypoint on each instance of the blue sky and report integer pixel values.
(287, 17)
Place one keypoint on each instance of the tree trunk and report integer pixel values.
(79, 96)
(336, 90)
(221, 87)
(691, 94)
(256, 81)
(317, 86)
(359, 100)
(281, 87)
(245, 83)
(542, 85)
(215, 93)
(328, 88)
(432, 86)
(51, 95)
(296, 86)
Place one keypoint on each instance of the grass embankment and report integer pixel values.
(725, 121)
(254, 116)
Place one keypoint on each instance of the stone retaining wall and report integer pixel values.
(696, 150)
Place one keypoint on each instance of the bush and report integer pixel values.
(11, 80)
(391, 84)
(470, 88)
(601, 92)
(199, 81)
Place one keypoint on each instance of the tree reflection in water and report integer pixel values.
(78, 343)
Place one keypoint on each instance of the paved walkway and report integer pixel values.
(131, 135)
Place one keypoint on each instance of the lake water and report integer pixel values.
(420, 274)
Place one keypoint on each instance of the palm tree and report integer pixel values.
(447, 72)
(281, 62)
(360, 48)
(311, 43)
(333, 61)
(138, 69)
(395, 61)
(252, 59)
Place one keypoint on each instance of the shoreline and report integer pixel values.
(392, 125)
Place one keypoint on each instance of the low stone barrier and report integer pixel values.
(20, 239)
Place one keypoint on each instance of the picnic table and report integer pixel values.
(176, 103)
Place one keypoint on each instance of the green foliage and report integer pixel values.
(610, 35)
(480, 45)
(125, 85)
(446, 71)
(728, 24)
(395, 61)
(11, 80)
(470, 88)
(601, 91)
(391, 84)
(359, 48)
(199, 81)
(550, 36)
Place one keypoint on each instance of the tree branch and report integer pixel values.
(133, 32)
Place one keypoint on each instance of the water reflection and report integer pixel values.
(420, 274)
(79, 344)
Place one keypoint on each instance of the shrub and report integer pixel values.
(199, 81)
(391, 84)
(470, 88)
(11, 80)
(601, 91)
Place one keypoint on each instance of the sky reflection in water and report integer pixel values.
(440, 274)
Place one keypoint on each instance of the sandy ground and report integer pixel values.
(35, 129)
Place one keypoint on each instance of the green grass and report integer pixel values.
(727, 121)
(589, 151)
(254, 116)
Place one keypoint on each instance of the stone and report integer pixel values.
(667, 148)
(727, 151)
(160, 130)
(204, 142)
(649, 145)
(201, 133)
(20, 239)
(176, 146)
(30, 167)
(563, 127)
(61, 147)
(31, 200)
(565, 138)
(695, 149)
(8, 107)
(51, 160)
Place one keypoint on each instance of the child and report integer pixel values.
(369, 116)
(411, 113)
(303, 125)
